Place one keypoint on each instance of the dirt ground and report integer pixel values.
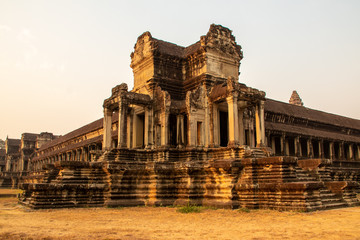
(17, 222)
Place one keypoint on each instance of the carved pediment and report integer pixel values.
(144, 47)
(221, 39)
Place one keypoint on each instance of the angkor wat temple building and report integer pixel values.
(16, 155)
(189, 132)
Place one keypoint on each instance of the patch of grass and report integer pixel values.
(244, 209)
(190, 209)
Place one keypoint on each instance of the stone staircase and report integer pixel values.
(330, 200)
(303, 175)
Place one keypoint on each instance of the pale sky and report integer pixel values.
(60, 59)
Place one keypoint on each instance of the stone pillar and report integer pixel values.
(287, 148)
(297, 146)
(241, 105)
(273, 147)
(341, 151)
(122, 124)
(262, 122)
(211, 124)
(134, 129)
(233, 120)
(251, 133)
(310, 152)
(180, 130)
(259, 117)
(282, 144)
(129, 129)
(351, 154)
(149, 135)
(216, 126)
(164, 116)
(321, 149)
(107, 129)
(331, 150)
(206, 124)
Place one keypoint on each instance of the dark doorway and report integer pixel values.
(327, 149)
(277, 141)
(336, 150)
(304, 148)
(247, 137)
(224, 136)
(291, 142)
(185, 130)
(346, 151)
(172, 129)
(315, 147)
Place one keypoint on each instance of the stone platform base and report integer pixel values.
(222, 177)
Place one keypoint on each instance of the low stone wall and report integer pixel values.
(222, 177)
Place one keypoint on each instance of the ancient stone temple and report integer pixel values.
(190, 132)
(16, 156)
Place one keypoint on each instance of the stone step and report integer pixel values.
(334, 205)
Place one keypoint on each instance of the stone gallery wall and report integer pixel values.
(232, 178)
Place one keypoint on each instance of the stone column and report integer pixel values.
(282, 144)
(310, 152)
(241, 105)
(341, 151)
(258, 127)
(211, 125)
(122, 124)
(216, 126)
(148, 138)
(251, 133)
(107, 129)
(321, 149)
(206, 127)
(273, 147)
(262, 122)
(180, 130)
(164, 116)
(351, 154)
(233, 120)
(287, 148)
(129, 129)
(297, 146)
(134, 129)
(331, 150)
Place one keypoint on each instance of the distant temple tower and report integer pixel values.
(295, 99)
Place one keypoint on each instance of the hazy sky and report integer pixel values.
(60, 59)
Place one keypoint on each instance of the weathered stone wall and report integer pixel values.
(222, 177)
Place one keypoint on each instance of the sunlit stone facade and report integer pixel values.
(190, 132)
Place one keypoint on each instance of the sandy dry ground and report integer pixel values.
(17, 222)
